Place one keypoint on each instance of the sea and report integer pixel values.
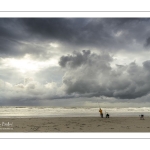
(36, 112)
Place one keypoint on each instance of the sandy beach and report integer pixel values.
(75, 124)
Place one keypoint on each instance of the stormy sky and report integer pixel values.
(75, 62)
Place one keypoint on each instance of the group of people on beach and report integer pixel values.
(101, 113)
(107, 115)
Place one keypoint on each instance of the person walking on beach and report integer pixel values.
(101, 112)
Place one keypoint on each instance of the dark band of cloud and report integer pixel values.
(18, 35)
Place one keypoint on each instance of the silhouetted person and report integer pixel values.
(101, 112)
(107, 115)
(142, 117)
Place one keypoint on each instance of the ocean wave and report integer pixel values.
(69, 111)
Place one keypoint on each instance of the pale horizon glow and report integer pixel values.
(28, 65)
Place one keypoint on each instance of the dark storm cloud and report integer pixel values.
(78, 59)
(19, 36)
(55, 28)
(100, 79)
(16, 40)
(91, 31)
(11, 35)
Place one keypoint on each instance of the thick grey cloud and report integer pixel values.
(76, 60)
(147, 43)
(97, 78)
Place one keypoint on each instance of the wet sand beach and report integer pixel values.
(75, 124)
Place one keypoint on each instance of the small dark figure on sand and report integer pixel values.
(107, 115)
(142, 117)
